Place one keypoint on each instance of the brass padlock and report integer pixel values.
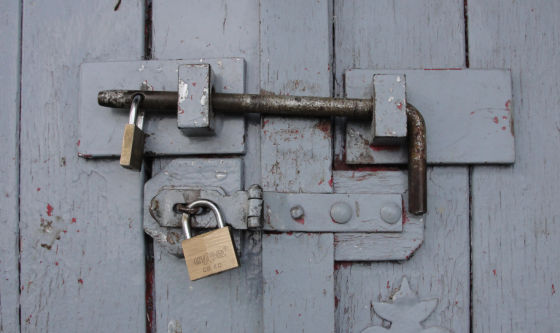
(211, 252)
(132, 150)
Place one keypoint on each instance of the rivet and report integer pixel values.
(390, 213)
(296, 212)
(341, 212)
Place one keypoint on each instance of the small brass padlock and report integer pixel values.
(211, 252)
(132, 150)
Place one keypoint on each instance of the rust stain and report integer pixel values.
(553, 289)
(324, 126)
(301, 220)
(508, 105)
(382, 148)
(342, 264)
(443, 69)
(494, 272)
(496, 120)
(80, 281)
(73, 220)
(336, 300)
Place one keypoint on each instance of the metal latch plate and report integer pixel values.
(100, 129)
(468, 116)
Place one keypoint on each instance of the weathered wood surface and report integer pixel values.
(9, 164)
(516, 216)
(412, 34)
(228, 302)
(82, 258)
(231, 301)
(296, 156)
(297, 271)
(295, 59)
(438, 269)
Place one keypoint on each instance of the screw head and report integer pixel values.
(390, 213)
(341, 212)
(296, 212)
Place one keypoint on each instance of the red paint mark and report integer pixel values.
(78, 143)
(38, 189)
(324, 126)
(504, 117)
(56, 263)
(300, 220)
(194, 84)
(305, 69)
(336, 300)
(388, 285)
(443, 69)
(28, 320)
(265, 122)
(276, 271)
(328, 67)
(496, 120)
(399, 106)
(472, 112)
(78, 230)
(22, 287)
(381, 148)
(225, 87)
(289, 233)
(85, 155)
(508, 105)
(73, 220)
(553, 289)
(80, 281)
(343, 264)
(49, 209)
(64, 231)
(503, 128)
(181, 111)
(321, 182)
(404, 216)
(494, 272)
(299, 315)
(331, 182)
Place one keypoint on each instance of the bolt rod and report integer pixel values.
(166, 101)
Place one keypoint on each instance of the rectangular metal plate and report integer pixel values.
(365, 212)
(101, 128)
(467, 112)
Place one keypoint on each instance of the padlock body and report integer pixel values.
(209, 253)
(132, 147)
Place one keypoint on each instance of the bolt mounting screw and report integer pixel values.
(296, 212)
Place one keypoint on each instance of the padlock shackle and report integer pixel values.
(136, 100)
(186, 218)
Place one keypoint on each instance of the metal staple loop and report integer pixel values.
(183, 208)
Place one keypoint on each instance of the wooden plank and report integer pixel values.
(195, 29)
(438, 269)
(227, 302)
(82, 245)
(10, 18)
(298, 282)
(515, 223)
(389, 34)
(296, 154)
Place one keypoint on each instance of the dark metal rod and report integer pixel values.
(166, 101)
(417, 171)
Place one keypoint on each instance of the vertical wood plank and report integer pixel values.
(298, 282)
(82, 250)
(231, 301)
(390, 34)
(516, 219)
(10, 18)
(295, 59)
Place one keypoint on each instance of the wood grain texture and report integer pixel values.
(227, 302)
(438, 269)
(298, 282)
(295, 59)
(10, 18)
(82, 260)
(516, 216)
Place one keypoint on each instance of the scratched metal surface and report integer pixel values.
(516, 216)
(82, 244)
(9, 140)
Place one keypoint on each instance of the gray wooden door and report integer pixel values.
(73, 254)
